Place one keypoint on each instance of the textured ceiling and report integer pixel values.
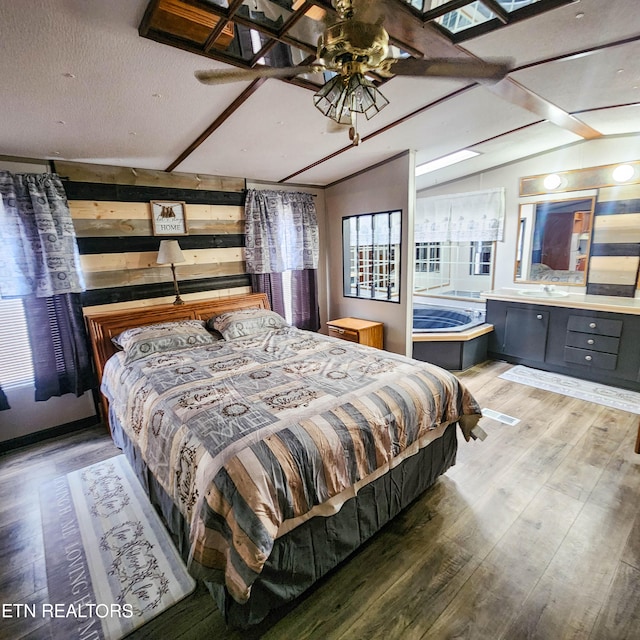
(80, 83)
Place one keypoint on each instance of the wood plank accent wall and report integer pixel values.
(614, 265)
(112, 218)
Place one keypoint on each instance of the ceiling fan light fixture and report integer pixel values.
(341, 96)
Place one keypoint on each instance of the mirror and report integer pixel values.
(553, 241)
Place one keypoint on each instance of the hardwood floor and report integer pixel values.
(535, 533)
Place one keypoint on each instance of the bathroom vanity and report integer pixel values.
(591, 337)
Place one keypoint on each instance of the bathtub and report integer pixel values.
(445, 319)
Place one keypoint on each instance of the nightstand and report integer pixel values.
(356, 330)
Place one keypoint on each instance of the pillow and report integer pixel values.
(141, 342)
(246, 322)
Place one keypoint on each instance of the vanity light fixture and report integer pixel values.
(445, 161)
(623, 173)
(552, 181)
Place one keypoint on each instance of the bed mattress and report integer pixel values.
(251, 437)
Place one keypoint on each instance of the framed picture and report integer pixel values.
(169, 218)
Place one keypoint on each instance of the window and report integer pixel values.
(453, 269)
(480, 258)
(15, 365)
(428, 257)
(371, 256)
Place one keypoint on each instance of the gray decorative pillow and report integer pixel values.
(141, 342)
(246, 322)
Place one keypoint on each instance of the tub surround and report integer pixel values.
(453, 350)
(447, 336)
(580, 335)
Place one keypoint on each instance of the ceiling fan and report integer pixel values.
(351, 48)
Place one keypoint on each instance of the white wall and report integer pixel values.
(591, 153)
(388, 187)
(27, 416)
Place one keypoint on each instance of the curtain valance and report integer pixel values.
(281, 231)
(38, 249)
(472, 216)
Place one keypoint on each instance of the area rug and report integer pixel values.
(575, 388)
(111, 565)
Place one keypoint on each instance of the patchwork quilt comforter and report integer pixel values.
(249, 436)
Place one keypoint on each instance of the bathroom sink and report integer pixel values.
(542, 294)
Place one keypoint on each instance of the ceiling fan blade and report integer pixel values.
(222, 76)
(451, 68)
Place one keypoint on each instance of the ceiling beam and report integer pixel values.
(515, 93)
(227, 113)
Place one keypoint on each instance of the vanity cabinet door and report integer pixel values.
(525, 333)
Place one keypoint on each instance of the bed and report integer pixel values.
(272, 453)
(541, 272)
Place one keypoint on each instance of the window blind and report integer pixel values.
(15, 362)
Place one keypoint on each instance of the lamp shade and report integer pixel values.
(169, 252)
(341, 96)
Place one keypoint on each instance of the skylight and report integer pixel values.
(445, 161)
(466, 17)
(477, 16)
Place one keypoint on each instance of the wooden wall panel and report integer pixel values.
(107, 174)
(112, 218)
(614, 265)
(613, 270)
(619, 228)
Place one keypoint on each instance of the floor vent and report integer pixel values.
(500, 417)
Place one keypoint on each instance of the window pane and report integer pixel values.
(308, 30)
(514, 5)
(466, 17)
(15, 365)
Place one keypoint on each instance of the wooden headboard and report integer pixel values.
(102, 326)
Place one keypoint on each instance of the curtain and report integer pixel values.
(474, 216)
(281, 231)
(61, 360)
(39, 261)
(304, 286)
(4, 403)
(281, 234)
(272, 285)
(39, 249)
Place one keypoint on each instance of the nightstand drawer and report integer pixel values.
(365, 332)
(591, 358)
(344, 334)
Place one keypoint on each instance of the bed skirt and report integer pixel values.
(305, 554)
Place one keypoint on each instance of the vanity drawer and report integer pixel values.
(600, 326)
(590, 358)
(593, 342)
